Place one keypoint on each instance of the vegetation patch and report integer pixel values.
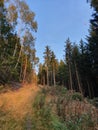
(8, 122)
(77, 96)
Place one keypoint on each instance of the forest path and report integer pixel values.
(19, 102)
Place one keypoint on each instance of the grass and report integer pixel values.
(7, 122)
(15, 106)
(48, 109)
(65, 113)
(74, 110)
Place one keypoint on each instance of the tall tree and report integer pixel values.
(8, 39)
(47, 58)
(20, 16)
(75, 58)
(42, 74)
(17, 52)
(68, 55)
(53, 66)
(62, 74)
(30, 59)
(92, 46)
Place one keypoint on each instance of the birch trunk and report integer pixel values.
(25, 69)
(15, 50)
(18, 57)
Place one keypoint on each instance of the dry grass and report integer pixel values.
(69, 109)
(19, 102)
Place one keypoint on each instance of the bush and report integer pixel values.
(57, 124)
(77, 96)
(58, 90)
(39, 101)
(63, 91)
(84, 122)
(94, 102)
(43, 118)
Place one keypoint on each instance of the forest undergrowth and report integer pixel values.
(46, 108)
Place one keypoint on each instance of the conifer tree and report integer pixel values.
(47, 58)
(8, 40)
(68, 55)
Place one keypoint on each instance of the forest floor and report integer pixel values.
(19, 102)
(33, 107)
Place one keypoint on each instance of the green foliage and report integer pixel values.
(63, 90)
(7, 42)
(94, 102)
(62, 73)
(17, 57)
(83, 122)
(57, 124)
(92, 46)
(39, 101)
(44, 90)
(44, 119)
(43, 116)
(42, 113)
(77, 96)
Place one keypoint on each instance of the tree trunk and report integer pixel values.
(89, 91)
(18, 57)
(25, 69)
(43, 80)
(15, 50)
(70, 76)
(77, 75)
(51, 77)
(47, 77)
(54, 77)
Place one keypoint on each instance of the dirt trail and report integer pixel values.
(19, 102)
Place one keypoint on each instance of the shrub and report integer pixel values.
(63, 91)
(57, 124)
(77, 96)
(84, 122)
(94, 101)
(39, 101)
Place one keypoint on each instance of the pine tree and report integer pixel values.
(53, 63)
(47, 58)
(75, 59)
(92, 46)
(8, 41)
(68, 55)
(62, 74)
(42, 74)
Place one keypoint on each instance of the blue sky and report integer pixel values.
(57, 20)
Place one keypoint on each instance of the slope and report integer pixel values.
(19, 102)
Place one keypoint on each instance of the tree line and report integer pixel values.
(79, 69)
(17, 44)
